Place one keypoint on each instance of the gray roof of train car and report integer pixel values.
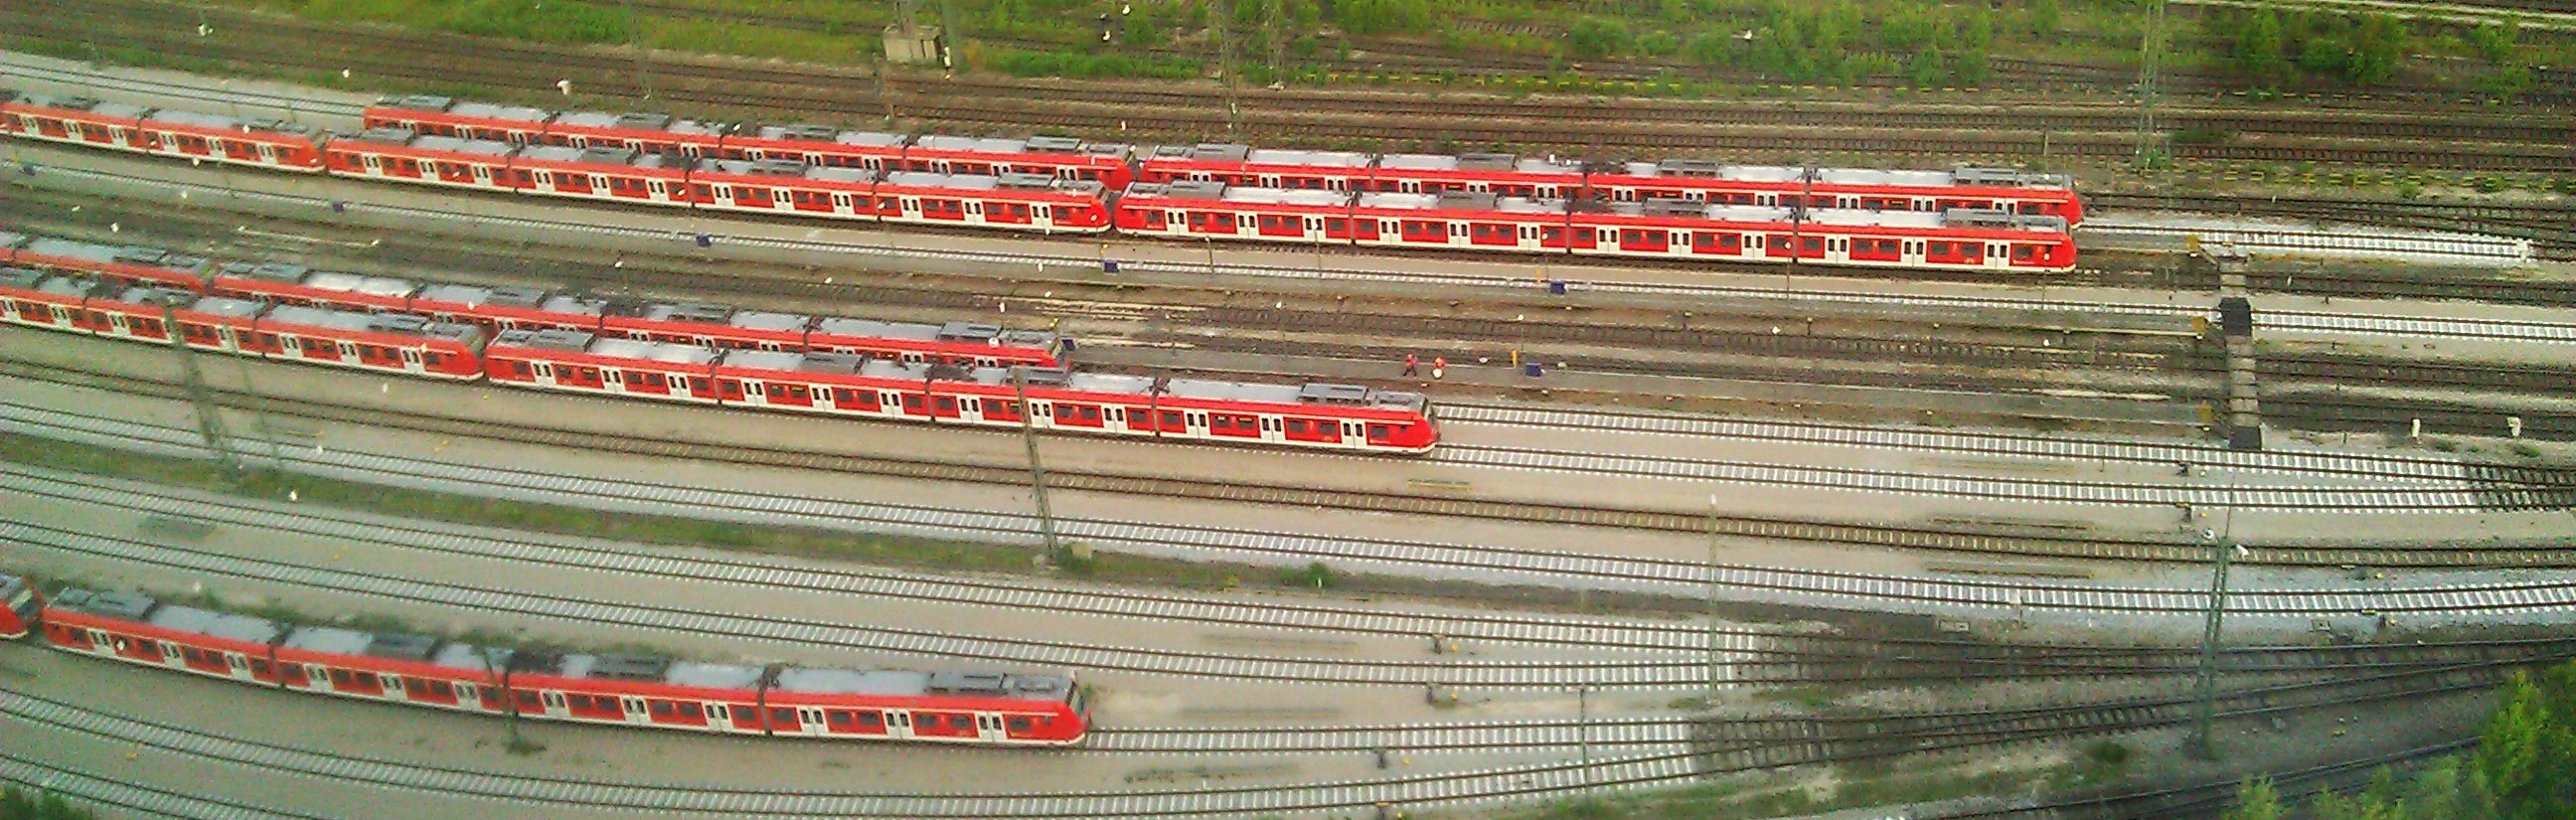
(218, 624)
(712, 675)
(329, 639)
(651, 351)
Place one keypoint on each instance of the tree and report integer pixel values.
(2258, 49)
(2377, 49)
(1715, 49)
(2255, 800)
(1926, 71)
(2044, 17)
(1593, 38)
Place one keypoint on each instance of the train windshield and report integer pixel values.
(22, 600)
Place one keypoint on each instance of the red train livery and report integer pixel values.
(772, 362)
(1312, 416)
(503, 308)
(970, 707)
(1986, 219)
(1965, 188)
(1658, 227)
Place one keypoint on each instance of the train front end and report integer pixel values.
(18, 616)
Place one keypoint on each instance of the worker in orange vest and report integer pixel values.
(1411, 364)
(1438, 363)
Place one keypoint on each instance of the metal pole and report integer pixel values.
(1583, 727)
(1037, 472)
(210, 419)
(635, 43)
(2202, 743)
(1712, 602)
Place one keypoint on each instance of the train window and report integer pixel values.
(439, 688)
(258, 667)
(527, 700)
(1297, 426)
(581, 702)
(192, 654)
(1061, 211)
(1090, 414)
(731, 389)
(658, 708)
(838, 717)
(1812, 244)
(1377, 431)
(1020, 211)
(911, 402)
(2022, 253)
(797, 392)
(1552, 234)
(1198, 220)
(1221, 422)
(1172, 421)
(698, 384)
(1016, 724)
(947, 405)
(690, 711)
(961, 722)
(366, 680)
(844, 395)
(1337, 225)
(782, 717)
(1779, 243)
(870, 719)
(1941, 248)
(339, 677)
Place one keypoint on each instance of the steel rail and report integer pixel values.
(2548, 597)
(1576, 276)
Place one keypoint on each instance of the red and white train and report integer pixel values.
(504, 308)
(1966, 188)
(1989, 220)
(979, 707)
(537, 356)
(1657, 228)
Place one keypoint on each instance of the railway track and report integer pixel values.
(2550, 228)
(1685, 580)
(1709, 755)
(735, 86)
(1578, 277)
(1750, 655)
(2500, 490)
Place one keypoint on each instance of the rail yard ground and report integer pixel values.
(1935, 498)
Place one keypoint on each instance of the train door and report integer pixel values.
(898, 723)
(544, 373)
(238, 666)
(635, 711)
(171, 656)
(554, 704)
(1272, 429)
(393, 687)
(411, 359)
(1838, 249)
(970, 409)
(809, 720)
(1351, 435)
(1997, 254)
(318, 677)
(1197, 421)
(988, 727)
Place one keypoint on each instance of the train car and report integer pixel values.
(644, 133)
(779, 186)
(119, 264)
(979, 707)
(45, 300)
(817, 145)
(1062, 158)
(580, 362)
(616, 174)
(433, 115)
(1249, 167)
(1024, 202)
(400, 155)
(508, 308)
(20, 606)
(265, 143)
(292, 284)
